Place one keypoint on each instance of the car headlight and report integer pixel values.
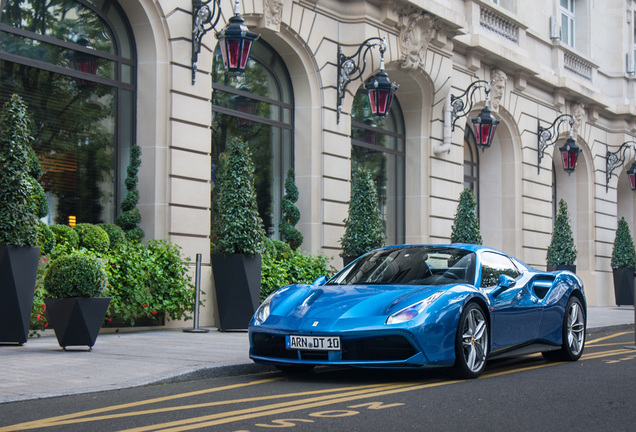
(263, 310)
(412, 311)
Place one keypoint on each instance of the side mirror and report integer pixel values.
(504, 282)
(320, 281)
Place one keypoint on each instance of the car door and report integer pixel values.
(516, 311)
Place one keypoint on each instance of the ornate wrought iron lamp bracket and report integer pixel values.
(463, 104)
(350, 68)
(616, 159)
(204, 19)
(549, 136)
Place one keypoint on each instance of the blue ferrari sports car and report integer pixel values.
(418, 306)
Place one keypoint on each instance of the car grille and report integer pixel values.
(380, 348)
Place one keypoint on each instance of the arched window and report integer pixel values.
(379, 147)
(257, 107)
(73, 63)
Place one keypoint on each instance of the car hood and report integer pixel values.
(298, 305)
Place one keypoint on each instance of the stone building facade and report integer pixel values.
(543, 59)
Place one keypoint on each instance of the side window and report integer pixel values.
(493, 265)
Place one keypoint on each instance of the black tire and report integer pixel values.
(572, 332)
(471, 343)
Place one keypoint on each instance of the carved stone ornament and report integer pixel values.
(272, 12)
(579, 116)
(497, 89)
(417, 30)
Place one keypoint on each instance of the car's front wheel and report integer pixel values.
(573, 333)
(471, 342)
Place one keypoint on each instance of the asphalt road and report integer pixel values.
(523, 394)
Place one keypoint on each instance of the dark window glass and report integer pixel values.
(65, 59)
(258, 108)
(415, 265)
(379, 146)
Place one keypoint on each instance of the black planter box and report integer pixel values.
(76, 320)
(18, 272)
(623, 285)
(237, 283)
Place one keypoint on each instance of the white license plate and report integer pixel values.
(317, 343)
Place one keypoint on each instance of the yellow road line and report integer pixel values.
(605, 338)
(48, 421)
(350, 393)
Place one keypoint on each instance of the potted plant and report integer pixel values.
(73, 284)
(466, 225)
(22, 202)
(364, 230)
(562, 252)
(237, 239)
(623, 264)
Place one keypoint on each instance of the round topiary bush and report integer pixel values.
(116, 235)
(75, 275)
(64, 234)
(92, 237)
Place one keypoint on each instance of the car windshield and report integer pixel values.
(414, 265)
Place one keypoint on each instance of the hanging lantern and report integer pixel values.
(83, 62)
(569, 155)
(631, 175)
(246, 105)
(236, 41)
(381, 91)
(484, 126)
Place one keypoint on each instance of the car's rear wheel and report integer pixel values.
(573, 333)
(471, 342)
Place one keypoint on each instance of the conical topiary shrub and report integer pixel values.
(623, 264)
(291, 214)
(562, 251)
(237, 226)
(364, 230)
(466, 225)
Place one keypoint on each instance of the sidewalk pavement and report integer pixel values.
(41, 369)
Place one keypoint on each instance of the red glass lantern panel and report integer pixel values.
(380, 90)
(236, 41)
(484, 126)
(631, 175)
(569, 155)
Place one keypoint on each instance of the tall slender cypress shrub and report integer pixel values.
(130, 218)
(291, 214)
(466, 225)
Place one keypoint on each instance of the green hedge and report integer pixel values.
(284, 266)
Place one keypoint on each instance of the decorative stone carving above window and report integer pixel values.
(578, 111)
(416, 32)
(272, 13)
(498, 87)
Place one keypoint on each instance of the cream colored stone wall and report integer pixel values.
(458, 46)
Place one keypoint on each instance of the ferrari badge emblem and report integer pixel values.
(315, 324)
